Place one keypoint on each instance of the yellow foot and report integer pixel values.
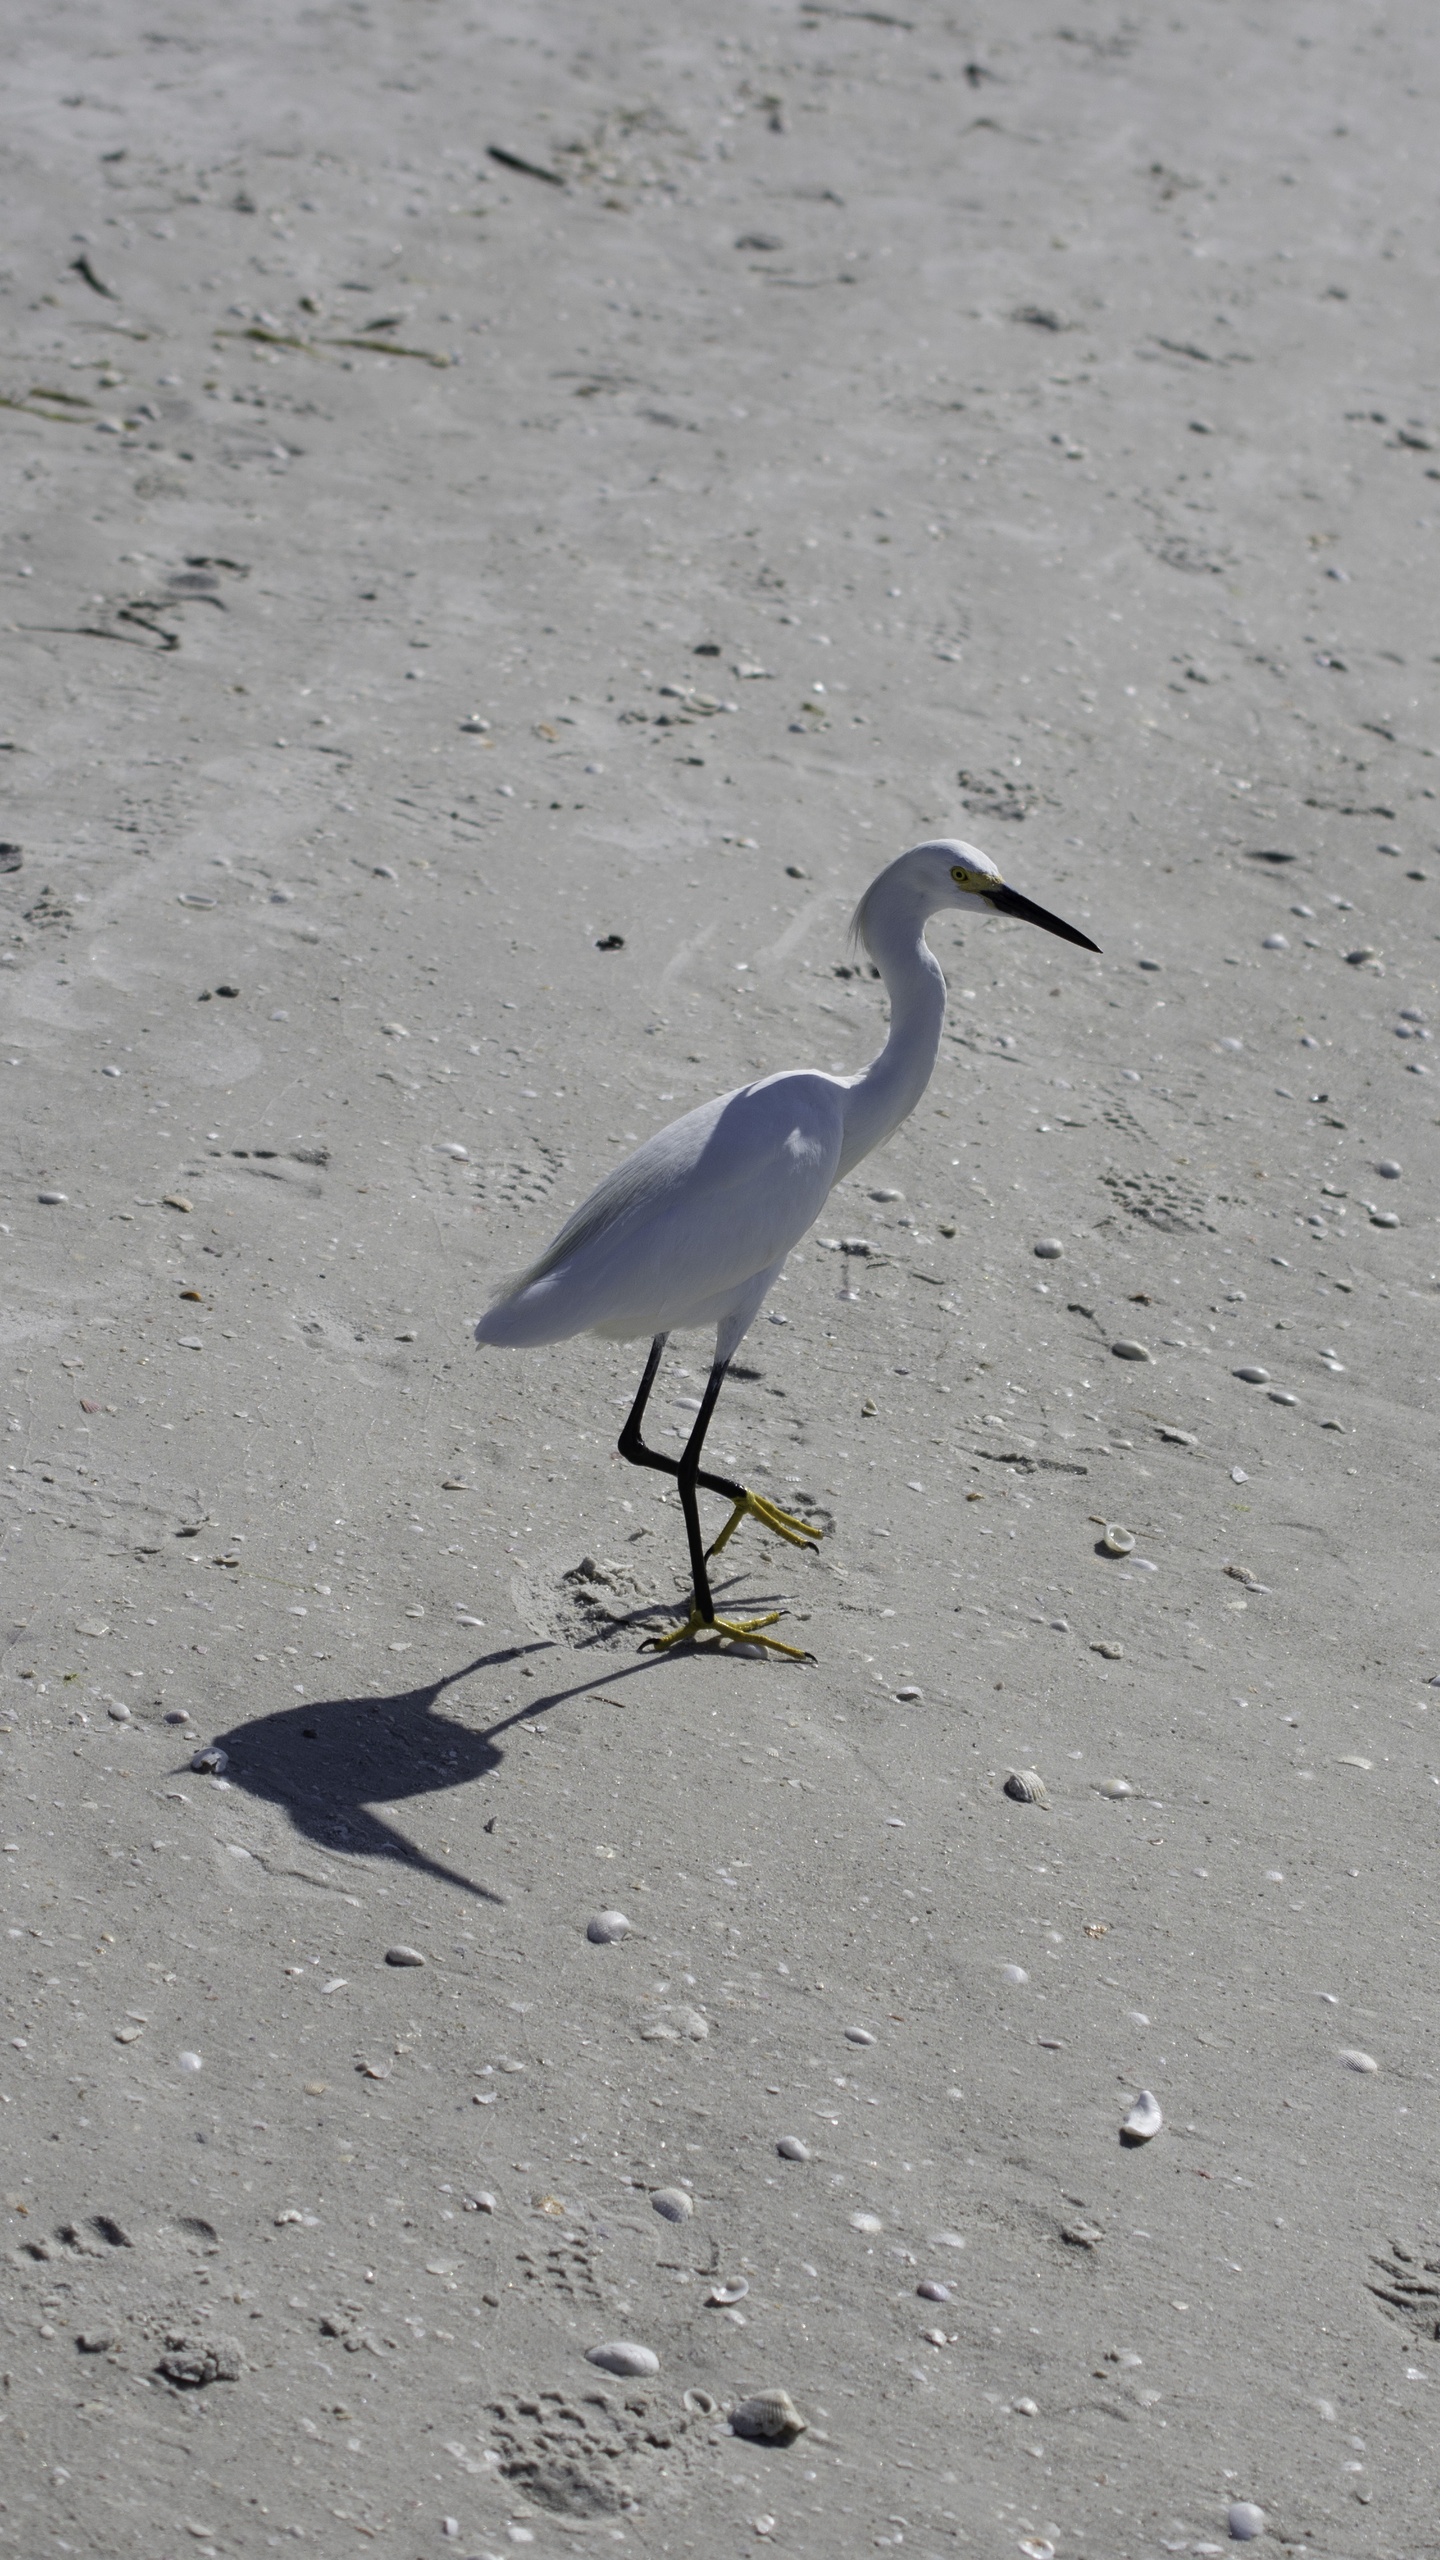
(733, 1630)
(783, 1524)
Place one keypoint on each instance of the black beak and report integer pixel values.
(1009, 902)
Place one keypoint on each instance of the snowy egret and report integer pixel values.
(694, 1227)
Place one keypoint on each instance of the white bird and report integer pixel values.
(694, 1227)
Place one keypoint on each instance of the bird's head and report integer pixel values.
(947, 873)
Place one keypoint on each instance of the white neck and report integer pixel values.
(892, 1084)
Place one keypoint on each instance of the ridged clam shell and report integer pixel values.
(768, 2417)
(673, 2203)
(1026, 1786)
(623, 2356)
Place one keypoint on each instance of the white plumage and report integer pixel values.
(694, 1227)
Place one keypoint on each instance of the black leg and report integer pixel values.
(631, 1445)
(688, 1477)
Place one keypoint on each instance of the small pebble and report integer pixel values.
(189, 2062)
(1383, 1218)
(1130, 1351)
(910, 1692)
(946, 2240)
(1282, 1395)
(933, 2291)
(481, 2202)
(673, 2203)
(1275, 942)
(868, 2222)
(1117, 1541)
(1142, 2122)
(1013, 1973)
(622, 2356)
(52, 1199)
(403, 1955)
(461, 1154)
(858, 2035)
(1026, 1786)
(118, 1712)
(1354, 2060)
(1253, 1376)
(1388, 1167)
(94, 2342)
(607, 1927)
(1246, 2521)
(1111, 1652)
(790, 2147)
(1049, 1249)
(1116, 1787)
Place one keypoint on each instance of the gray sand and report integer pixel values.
(893, 424)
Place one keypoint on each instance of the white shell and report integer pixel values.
(866, 2222)
(790, 2147)
(673, 2203)
(211, 1760)
(1117, 1541)
(1354, 2060)
(1142, 2121)
(858, 2035)
(1115, 1787)
(1131, 1351)
(1246, 2521)
(621, 2355)
(607, 1927)
(1026, 1786)
(769, 2417)
(1015, 1973)
(735, 2291)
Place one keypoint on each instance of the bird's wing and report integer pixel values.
(705, 1203)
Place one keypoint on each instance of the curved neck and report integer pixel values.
(892, 1084)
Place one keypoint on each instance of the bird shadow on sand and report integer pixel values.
(338, 1767)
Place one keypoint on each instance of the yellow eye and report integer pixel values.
(962, 879)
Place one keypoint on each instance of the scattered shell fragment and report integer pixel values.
(790, 2147)
(1111, 1652)
(189, 2062)
(1026, 1786)
(481, 2202)
(867, 2222)
(211, 1761)
(946, 2240)
(177, 1200)
(621, 2355)
(1125, 1350)
(1115, 1787)
(858, 2035)
(1388, 1169)
(722, 2295)
(374, 2070)
(768, 2417)
(1181, 1439)
(1048, 1249)
(607, 1928)
(52, 1199)
(1081, 2235)
(403, 1955)
(931, 2290)
(1013, 1973)
(1355, 2060)
(1282, 1395)
(1246, 2521)
(673, 2203)
(1143, 2120)
(1383, 1218)
(1253, 1375)
(1117, 1541)
(94, 2342)
(702, 2404)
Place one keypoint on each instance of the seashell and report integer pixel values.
(1116, 1787)
(403, 1956)
(1131, 1351)
(1383, 1218)
(1111, 1652)
(858, 2035)
(1142, 2121)
(1117, 1541)
(1013, 1973)
(933, 2291)
(1182, 1439)
(735, 2291)
(866, 2222)
(1246, 2521)
(481, 2202)
(768, 2417)
(210, 1761)
(790, 2147)
(1354, 2060)
(1026, 1786)
(1035, 2546)
(1081, 2235)
(673, 2203)
(1049, 1249)
(946, 2240)
(1388, 1167)
(701, 2405)
(622, 2356)
(1282, 1395)
(1253, 1376)
(607, 1928)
